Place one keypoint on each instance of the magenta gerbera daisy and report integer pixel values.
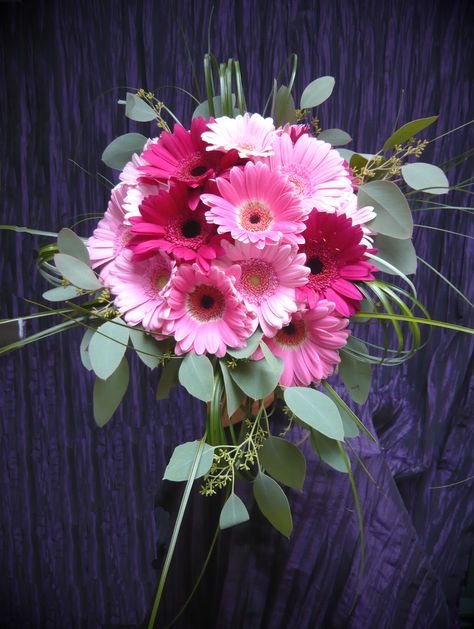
(267, 280)
(141, 289)
(359, 216)
(315, 169)
(256, 206)
(111, 234)
(167, 223)
(250, 135)
(308, 344)
(206, 314)
(336, 260)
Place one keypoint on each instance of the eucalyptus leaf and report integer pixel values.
(269, 357)
(355, 373)
(233, 512)
(284, 461)
(256, 378)
(315, 410)
(285, 111)
(393, 212)
(398, 253)
(180, 465)
(233, 394)
(109, 393)
(107, 347)
(168, 378)
(336, 137)
(84, 348)
(77, 272)
(147, 348)
(273, 503)
(203, 108)
(317, 92)
(250, 348)
(119, 152)
(71, 244)
(407, 131)
(61, 293)
(196, 374)
(425, 177)
(358, 161)
(350, 427)
(346, 154)
(328, 451)
(137, 109)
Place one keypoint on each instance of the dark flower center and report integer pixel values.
(198, 171)
(255, 219)
(289, 330)
(315, 265)
(207, 301)
(191, 228)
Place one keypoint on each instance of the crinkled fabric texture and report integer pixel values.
(84, 515)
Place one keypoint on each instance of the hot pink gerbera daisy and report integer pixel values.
(250, 135)
(308, 345)
(256, 206)
(111, 234)
(141, 289)
(295, 131)
(315, 169)
(167, 223)
(336, 259)
(267, 280)
(207, 315)
(359, 216)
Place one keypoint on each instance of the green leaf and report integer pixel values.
(407, 131)
(61, 293)
(328, 451)
(350, 427)
(168, 377)
(69, 242)
(284, 107)
(393, 212)
(284, 461)
(233, 394)
(137, 109)
(147, 348)
(355, 373)
(203, 108)
(84, 348)
(109, 393)
(425, 177)
(249, 349)
(77, 272)
(273, 503)
(398, 253)
(119, 152)
(346, 154)
(256, 378)
(269, 357)
(179, 467)
(197, 376)
(317, 92)
(233, 512)
(336, 137)
(107, 347)
(315, 410)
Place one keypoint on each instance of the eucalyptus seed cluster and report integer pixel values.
(380, 167)
(156, 105)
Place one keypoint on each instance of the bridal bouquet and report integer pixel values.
(236, 254)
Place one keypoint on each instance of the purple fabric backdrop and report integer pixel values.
(83, 512)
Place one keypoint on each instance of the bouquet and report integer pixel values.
(244, 256)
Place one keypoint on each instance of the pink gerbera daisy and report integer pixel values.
(256, 206)
(267, 280)
(359, 216)
(111, 234)
(336, 260)
(251, 135)
(167, 223)
(206, 314)
(315, 169)
(295, 131)
(308, 344)
(141, 289)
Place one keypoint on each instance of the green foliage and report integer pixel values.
(256, 378)
(284, 107)
(336, 137)
(273, 503)
(234, 396)
(284, 461)
(399, 253)
(84, 348)
(168, 377)
(108, 393)
(355, 373)
(120, 150)
(71, 244)
(197, 376)
(61, 293)
(182, 459)
(250, 348)
(317, 92)
(328, 451)
(147, 348)
(315, 410)
(77, 272)
(233, 512)
(407, 131)
(107, 347)
(137, 109)
(425, 177)
(393, 212)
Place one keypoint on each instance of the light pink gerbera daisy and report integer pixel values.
(336, 260)
(315, 169)
(131, 173)
(256, 206)
(167, 223)
(308, 344)
(110, 236)
(206, 314)
(141, 289)
(135, 196)
(267, 280)
(251, 135)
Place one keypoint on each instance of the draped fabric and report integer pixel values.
(85, 517)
